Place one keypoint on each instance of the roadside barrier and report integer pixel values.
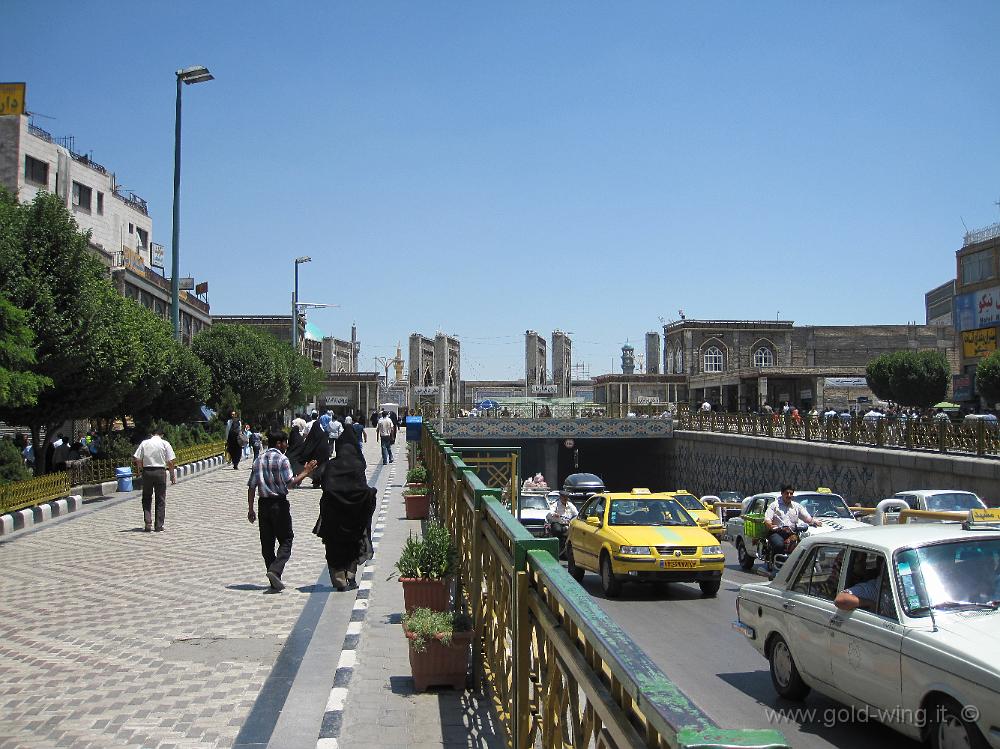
(559, 670)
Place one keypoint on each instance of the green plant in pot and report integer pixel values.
(418, 502)
(426, 566)
(439, 647)
(416, 475)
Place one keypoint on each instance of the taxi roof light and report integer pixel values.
(641, 490)
(823, 490)
(983, 519)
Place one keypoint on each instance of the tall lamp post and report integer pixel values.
(187, 76)
(295, 302)
(385, 362)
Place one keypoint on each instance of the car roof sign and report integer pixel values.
(983, 519)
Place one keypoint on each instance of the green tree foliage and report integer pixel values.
(185, 384)
(910, 378)
(19, 386)
(11, 463)
(305, 379)
(249, 362)
(988, 378)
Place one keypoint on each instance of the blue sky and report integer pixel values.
(482, 169)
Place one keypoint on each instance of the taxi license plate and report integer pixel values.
(675, 564)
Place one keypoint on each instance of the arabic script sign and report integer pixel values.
(978, 309)
(979, 343)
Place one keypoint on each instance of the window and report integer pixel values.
(81, 196)
(820, 573)
(100, 203)
(977, 266)
(866, 578)
(36, 171)
(713, 359)
(763, 357)
(131, 228)
(678, 361)
(142, 242)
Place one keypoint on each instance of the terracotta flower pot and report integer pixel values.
(421, 593)
(440, 664)
(417, 506)
(417, 485)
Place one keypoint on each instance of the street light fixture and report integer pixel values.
(295, 302)
(187, 76)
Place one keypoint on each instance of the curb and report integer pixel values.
(29, 517)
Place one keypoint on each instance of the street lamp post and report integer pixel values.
(187, 76)
(295, 302)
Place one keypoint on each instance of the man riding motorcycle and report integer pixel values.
(558, 519)
(782, 520)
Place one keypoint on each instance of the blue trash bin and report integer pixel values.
(414, 426)
(124, 476)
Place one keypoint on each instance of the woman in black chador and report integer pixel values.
(346, 510)
(316, 446)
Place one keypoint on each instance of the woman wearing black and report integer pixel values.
(316, 446)
(346, 510)
(234, 429)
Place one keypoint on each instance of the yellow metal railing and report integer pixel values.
(195, 453)
(560, 672)
(20, 494)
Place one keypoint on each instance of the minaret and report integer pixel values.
(399, 363)
(628, 359)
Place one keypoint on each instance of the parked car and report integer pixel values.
(921, 653)
(534, 509)
(639, 536)
(748, 535)
(932, 500)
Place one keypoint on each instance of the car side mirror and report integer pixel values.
(594, 521)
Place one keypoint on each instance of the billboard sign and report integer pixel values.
(979, 343)
(978, 309)
(156, 255)
(335, 400)
(963, 387)
(544, 389)
(11, 98)
(845, 382)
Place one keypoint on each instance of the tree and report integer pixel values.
(18, 385)
(910, 378)
(47, 269)
(988, 378)
(185, 385)
(248, 361)
(305, 379)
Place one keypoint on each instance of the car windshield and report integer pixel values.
(535, 502)
(648, 512)
(956, 575)
(824, 505)
(689, 502)
(730, 496)
(953, 501)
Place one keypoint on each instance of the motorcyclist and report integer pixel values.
(559, 517)
(783, 517)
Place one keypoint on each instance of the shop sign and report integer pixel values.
(544, 389)
(979, 343)
(645, 400)
(977, 309)
(425, 390)
(335, 400)
(156, 255)
(845, 382)
(12, 98)
(963, 387)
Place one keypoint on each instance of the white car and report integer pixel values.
(931, 500)
(922, 651)
(534, 510)
(744, 531)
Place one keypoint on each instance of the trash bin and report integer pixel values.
(124, 476)
(414, 426)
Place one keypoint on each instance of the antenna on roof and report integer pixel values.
(964, 224)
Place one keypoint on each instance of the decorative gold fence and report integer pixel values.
(21, 494)
(940, 435)
(560, 672)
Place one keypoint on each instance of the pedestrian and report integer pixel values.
(234, 440)
(254, 441)
(246, 440)
(357, 428)
(296, 439)
(154, 457)
(346, 510)
(316, 447)
(272, 476)
(386, 435)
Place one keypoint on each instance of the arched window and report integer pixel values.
(763, 357)
(678, 361)
(668, 362)
(713, 359)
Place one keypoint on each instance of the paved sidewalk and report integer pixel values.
(111, 637)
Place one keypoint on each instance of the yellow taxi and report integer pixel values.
(705, 516)
(640, 536)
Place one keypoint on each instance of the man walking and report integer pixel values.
(272, 476)
(155, 457)
(386, 433)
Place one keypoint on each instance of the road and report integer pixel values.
(691, 640)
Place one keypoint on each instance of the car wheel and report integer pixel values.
(784, 674)
(950, 729)
(709, 588)
(575, 572)
(609, 584)
(746, 561)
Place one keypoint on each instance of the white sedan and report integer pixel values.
(901, 622)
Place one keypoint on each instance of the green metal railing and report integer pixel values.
(561, 673)
(940, 435)
(554, 411)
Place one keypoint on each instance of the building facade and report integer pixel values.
(562, 363)
(536, 376)
(976, 309)
(745, 364)
(32, 160)
(435, 371)
(653, 353)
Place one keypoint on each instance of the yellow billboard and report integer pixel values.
(11, 98)
(979, 343)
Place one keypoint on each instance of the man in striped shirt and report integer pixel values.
(272, 476)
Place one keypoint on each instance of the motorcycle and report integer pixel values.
(773, 560)
(558, 528)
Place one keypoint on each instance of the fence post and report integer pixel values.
(880, 432)
(807, 427)
(980, 437)
(908, 432)
(942, 435)
(855, 424)
(788, 425)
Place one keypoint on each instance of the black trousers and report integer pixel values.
(274, 520)
(154, 481)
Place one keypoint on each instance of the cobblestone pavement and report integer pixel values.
(111, 637)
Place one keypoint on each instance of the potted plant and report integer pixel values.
(418, 502)
(416, 476)
(439, 647)
(425, 568)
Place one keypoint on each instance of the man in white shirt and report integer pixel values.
(386, 431)
(154, 457)
(782, 517)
